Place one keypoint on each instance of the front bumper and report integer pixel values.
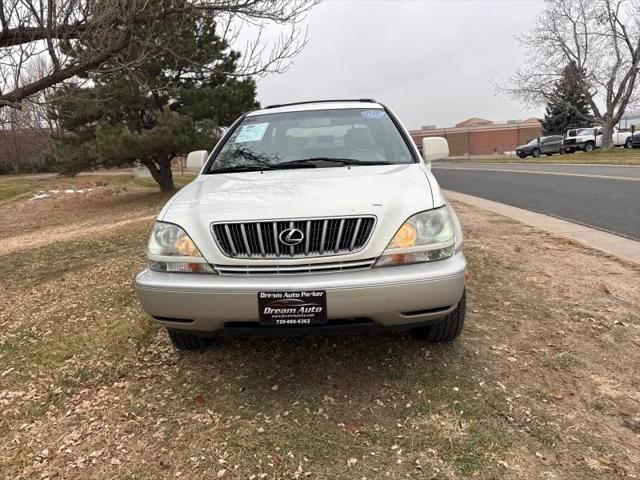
(388, 296)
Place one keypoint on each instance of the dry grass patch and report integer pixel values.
(17, 188)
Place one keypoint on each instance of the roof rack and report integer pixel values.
(367, 100)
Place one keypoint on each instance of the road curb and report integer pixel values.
(621, 247)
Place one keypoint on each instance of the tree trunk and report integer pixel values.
(166, 177)
(160, 169)
(607, 133)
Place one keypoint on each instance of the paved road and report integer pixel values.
(596, 170)
(603, 197)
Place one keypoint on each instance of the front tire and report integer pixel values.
(535, 153)
(448, 328)
(589, 147)
(187, 341)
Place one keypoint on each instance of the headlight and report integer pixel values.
(425, 237)
(170, 249)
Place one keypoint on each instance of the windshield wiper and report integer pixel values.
(332, 160)
(242, 168)
(314, 162)
(258, 168)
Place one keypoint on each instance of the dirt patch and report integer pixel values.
(67, 214)
(20, 243)
(542, 383)
(59, 210)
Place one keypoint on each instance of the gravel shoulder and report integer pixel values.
(542, 383)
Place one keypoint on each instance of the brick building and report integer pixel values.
(23, 150)
(477, 136)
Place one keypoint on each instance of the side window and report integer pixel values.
(571, 133)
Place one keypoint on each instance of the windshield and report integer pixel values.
(585, 131)
(326, 138)
(533, 143)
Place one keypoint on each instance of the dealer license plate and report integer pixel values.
(293, 309)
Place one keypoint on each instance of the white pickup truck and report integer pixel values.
(587, 139)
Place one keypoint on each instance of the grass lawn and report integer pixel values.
(23, 187)
(617, 156)
(542, 383)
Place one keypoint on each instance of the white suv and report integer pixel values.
(308, 217)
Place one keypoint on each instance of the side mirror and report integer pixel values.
(434, 148)
(195, 160)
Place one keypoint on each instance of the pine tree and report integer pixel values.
(165, 106)
(567, 106)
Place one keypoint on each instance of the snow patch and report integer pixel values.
(42, 194)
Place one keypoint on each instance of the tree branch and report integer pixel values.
(14, 98)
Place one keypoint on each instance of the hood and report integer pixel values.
(390, 192)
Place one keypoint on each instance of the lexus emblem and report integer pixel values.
(291, 237)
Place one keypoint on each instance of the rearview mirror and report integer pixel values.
(434, 148)
(195, 160)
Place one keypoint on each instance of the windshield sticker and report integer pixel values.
(252, 132)
(373, 114)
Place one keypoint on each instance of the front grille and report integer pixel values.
(294, 269)
(320, 237)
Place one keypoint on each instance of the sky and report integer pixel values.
(433, 62)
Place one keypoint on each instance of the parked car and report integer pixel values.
(635, 140)
(542, 145)
(308, 217)
(587, 139)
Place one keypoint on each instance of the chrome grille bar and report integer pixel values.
(244, 239)
(230, 239)
(276, 241)
(315, 268)
(355, 233)
(324, 236)
(260, 241)
(307, 238)
(292, 248)
(337, 247)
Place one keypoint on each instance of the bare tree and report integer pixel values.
(602, 37)
(78, 36)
